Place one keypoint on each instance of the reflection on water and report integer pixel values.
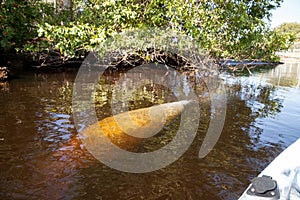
(287, 75)
(41, 158)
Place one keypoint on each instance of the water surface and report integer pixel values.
(41, 158)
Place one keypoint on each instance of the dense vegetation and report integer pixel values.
(226, 29)
(291, 28)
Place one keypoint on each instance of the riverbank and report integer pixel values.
(11, 62)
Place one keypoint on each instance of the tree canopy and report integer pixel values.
(290, 27)
(226, 29)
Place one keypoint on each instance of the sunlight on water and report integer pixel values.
(42, 158)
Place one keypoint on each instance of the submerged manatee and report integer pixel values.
(125, 130)
(59, 170)
(128, 128)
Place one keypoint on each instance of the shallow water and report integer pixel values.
(42, 159)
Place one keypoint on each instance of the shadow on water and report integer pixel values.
(41, 158)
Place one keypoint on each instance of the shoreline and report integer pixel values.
(12, 63)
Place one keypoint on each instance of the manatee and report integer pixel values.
(128, 128)
(59, 170)
(125, 130)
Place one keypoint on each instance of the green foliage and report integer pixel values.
(290, 28)
(226, 29)
(71, 41)
(18, 20)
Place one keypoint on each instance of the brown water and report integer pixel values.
(41, 158)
